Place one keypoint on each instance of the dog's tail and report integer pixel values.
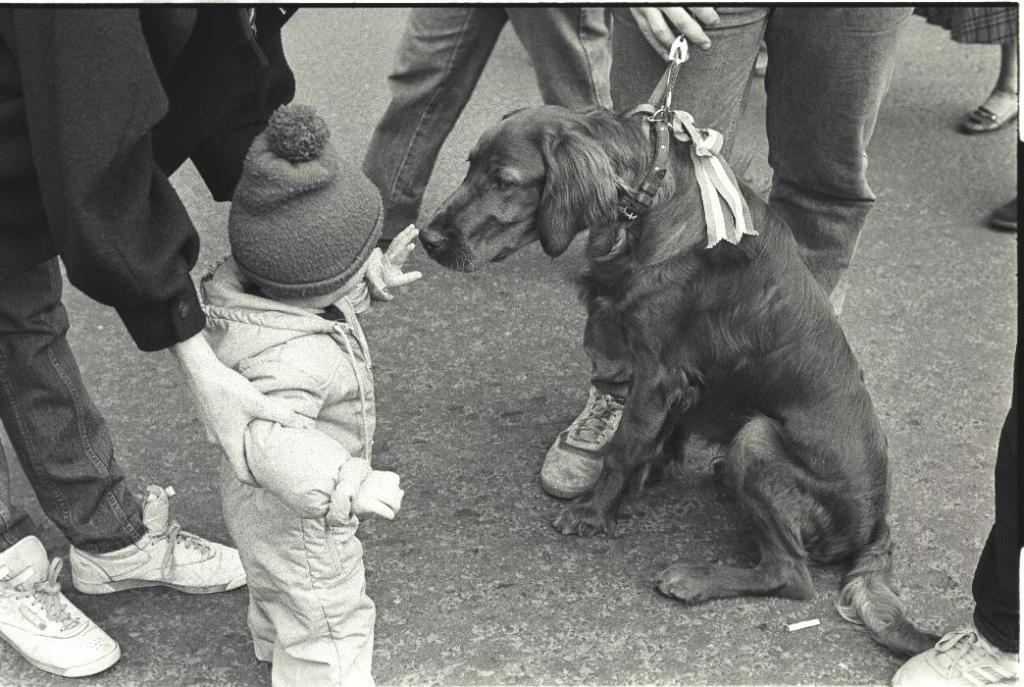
(868, 598)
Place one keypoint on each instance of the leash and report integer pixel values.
(715, 180)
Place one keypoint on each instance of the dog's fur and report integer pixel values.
(737, 344)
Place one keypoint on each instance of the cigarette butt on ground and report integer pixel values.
(169, 491)
(793, 627)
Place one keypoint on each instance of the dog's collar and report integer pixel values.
(634, 201)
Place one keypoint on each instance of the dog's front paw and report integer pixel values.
(584, 520)
(687, 583)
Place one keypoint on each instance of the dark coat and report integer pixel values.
(97, 107)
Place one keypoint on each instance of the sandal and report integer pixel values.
(996, 112)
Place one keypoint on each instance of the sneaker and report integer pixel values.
(572, 465)
(39, 621)
(963, 657)
(165, 556)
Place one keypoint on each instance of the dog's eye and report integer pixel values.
(502, 181)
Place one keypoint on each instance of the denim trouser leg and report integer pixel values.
(14, 522)
(440, 58)
(832, 68)
(57, 433)
(570, 52)
(829, 68)
(996, 590)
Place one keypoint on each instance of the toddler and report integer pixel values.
(281, 310)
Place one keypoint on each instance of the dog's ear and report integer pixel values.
(580, 189)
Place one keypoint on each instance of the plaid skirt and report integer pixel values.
(974, 24)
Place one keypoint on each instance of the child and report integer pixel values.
(282, 311)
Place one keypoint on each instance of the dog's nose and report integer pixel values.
(432, 241)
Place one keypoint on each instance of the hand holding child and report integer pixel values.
(385, 270)
(379, 494)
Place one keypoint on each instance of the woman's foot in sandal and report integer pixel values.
(996, 112)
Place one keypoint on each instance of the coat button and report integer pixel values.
(184, 309)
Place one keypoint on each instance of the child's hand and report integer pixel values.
(385, 271)
(379, 494)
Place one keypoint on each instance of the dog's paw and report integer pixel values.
(687, 583)
(584, 520)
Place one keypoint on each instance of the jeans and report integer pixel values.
(440, 58)
(828, 70)
(56, 430)
(996, 590)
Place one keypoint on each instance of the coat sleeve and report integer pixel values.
(91, 97)
(305, 468)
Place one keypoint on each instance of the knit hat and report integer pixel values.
(302, 219)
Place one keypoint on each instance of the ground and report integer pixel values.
(477, 374)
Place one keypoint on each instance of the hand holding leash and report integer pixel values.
(384, 271)
(660, 26)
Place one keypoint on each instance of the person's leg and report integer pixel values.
(712, 86)
(996, 590)
(570, 51)
(61, 440)
(1008, 68)
(439, 60)
(831, 67)
(55, 429)
(324, 619)
(573, 463)
(14, 522)
(985, 653)
(992, 25)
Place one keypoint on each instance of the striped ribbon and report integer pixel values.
(716, 182)
(725, 211)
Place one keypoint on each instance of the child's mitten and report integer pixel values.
(379, 494)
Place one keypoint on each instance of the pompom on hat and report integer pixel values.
(303, 220)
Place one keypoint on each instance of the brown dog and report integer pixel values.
(736, 344)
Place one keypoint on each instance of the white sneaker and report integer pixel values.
(572, 464)
(166, 556)
(963, 658)
(40, 623)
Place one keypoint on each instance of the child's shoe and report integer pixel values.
(166, 555)
(40, 623)
(962, 657)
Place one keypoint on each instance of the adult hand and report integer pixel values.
(228, 402)
(385, 271)
(661, 25)
(379, 494)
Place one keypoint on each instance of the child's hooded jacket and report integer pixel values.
(320, 368)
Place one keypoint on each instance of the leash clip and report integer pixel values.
(680, 51)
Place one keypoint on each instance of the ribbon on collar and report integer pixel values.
(715, 180)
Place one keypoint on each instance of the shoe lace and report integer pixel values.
(174, 536)
(46, 593)
(595, 423)
(958, 644)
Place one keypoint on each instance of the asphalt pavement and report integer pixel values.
(476, 374)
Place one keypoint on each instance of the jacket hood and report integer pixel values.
(242, 325)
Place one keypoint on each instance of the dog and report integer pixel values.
(736, 344)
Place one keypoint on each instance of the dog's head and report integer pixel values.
(539, 174)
